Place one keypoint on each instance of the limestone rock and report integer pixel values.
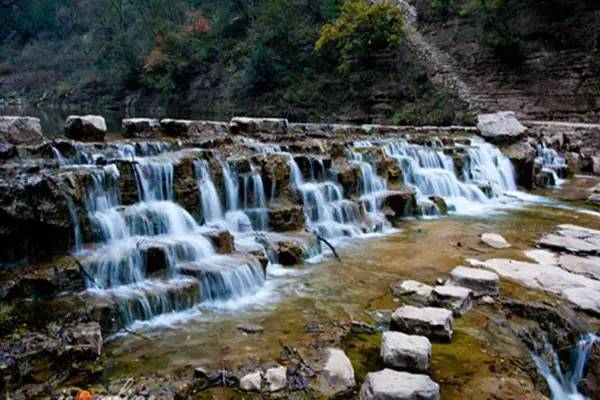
(20, 131)
(455, 298)
(405, 352)
(495, 240)
(481, 282)
(276, 378)
(87, 128)
(434, 323)
(392, 385)
(594, 199)
(500, 127)
(140, 128)
(258, 125)
(251, 382)
(573, 239)
(183, 128)
(398, 204)
(410, 287)
(289, 252)
(222, 240)
(337, 376)
(286, 219)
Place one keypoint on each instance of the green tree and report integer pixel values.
(361, 32)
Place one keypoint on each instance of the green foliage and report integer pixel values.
(361, 32)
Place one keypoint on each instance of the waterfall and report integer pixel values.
(550, 161)
(224, 282)
(489, 166)
(154, 180)
(563, 386)
(254, 200)
(209, 198)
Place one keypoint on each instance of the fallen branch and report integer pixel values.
(333, 250)
(84, 272)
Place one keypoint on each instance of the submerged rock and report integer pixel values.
(392, 385)
(405, 352)
(87, 128)
(20, 131)
(495, 240)
(500, 127)
(434, 323)
(481, 282)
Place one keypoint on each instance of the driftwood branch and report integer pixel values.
(322, 239)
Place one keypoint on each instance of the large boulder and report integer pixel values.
(258, 125)
(87, 128)
(405, 352)
(183, 128)
(481, 282)
(20, 131)
(140, 128)
(392, 385)
(500, 127)
(434, 323)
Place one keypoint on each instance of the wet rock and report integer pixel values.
(276, 378)
(85, 339)
(185, 184)
(398, 204)
(362, 327)
(500, 127)
(251, 382)
(20, 131)
(275, 172)
(434, 323)
(289, 252)
(481, 282)
(582, 291)
(440, 204)
(181, 128)
(258, 125)
(87, 128)
(284, 219)
(455, 298)
(544, 179)
(410, 287)
(249, 328)
(127, 182)
(222, 240)
(495, 240)
(405, 352)
(337, 375)
(389, 169)
(392, 385)
(573, 239)
(349, 176)
(155, 256)
(522, 155)
(140, 128)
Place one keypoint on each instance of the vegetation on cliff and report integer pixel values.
(312, 60)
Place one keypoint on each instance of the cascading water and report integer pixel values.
(563, 386)
(211, 203)
(487, 165)
(551, 162)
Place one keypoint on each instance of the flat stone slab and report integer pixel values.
(405, 352)
(455, 298)
(251, 382)
(495, 240)
(500, 127)
(434, 323)
(393, 385)
(573, 239)
(578, 289)
(409, 287)
(481, 282)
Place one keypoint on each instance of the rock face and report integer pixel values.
(434, 323)
(257, 125)
(337, 376)
(20, 131)
(286, 219)
(405, 352)
(481, 282)
(500, 127)
(392, 385)
(398, 204)
(88, 128)
(495, 240)
(455, 298)
(140, 128)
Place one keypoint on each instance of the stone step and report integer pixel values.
(405, 352)
(481, 282)
(393, 385)
(434, 323)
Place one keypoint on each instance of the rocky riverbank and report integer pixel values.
(120, 238)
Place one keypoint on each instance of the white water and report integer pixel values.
(563, 385)
(550, 161)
